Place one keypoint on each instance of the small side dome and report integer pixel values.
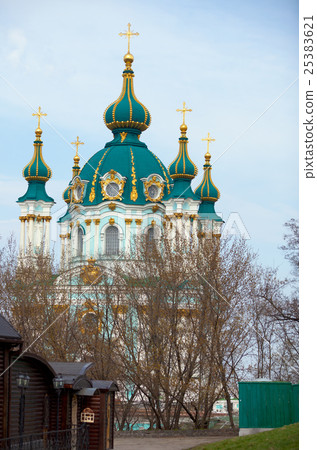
(67, 194)
(37, 169)
(183, 166)
(207, 191)
(127, 111)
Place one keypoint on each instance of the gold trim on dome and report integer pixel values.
(134, 192)
(123, 135)
(153, 181)
(92, 194)
(112, 179)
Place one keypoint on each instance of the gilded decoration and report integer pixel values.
(77, 189)
(111, 221)
(155, 208)
(134, 192)
(90, 308)
(123, 135)
(128, 221)
(153, 189)
(112, 185)
(92, 194)
(138, 221)
(112, 206)
(90, 274)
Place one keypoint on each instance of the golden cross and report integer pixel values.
(39, 114)
(128, 34)
(77, 143)
(184, 110)
(208, 139)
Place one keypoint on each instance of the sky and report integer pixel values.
(235, 64)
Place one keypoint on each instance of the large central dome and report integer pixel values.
(127, 111)
(125, 163)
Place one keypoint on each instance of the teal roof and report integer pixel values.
(130, 159)
(182, 189)
(207, 211)
(37, 169)
(37, 173)
(36, 191)
(183, 166)
(127, 111)
(207, 190)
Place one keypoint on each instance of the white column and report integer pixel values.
(179, 222)
(47, 234)
(22, 235)
(67, 249)
(63, 255)
(128, 237)
(30, 218)
(194, 229)
(96, 238)
(88, 237)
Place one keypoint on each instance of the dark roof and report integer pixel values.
(75, 369)
(107, 385)
(73, 373)
(7, 332)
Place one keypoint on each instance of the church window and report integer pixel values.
(153, 191)
(80, 242)
(150, 235)
(112, 241)
(112, 189)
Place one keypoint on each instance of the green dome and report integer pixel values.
(129, 167)
(67, 194)
(127, 111)
(36, 173)
(182, 166)
(37, 169)
(207, 191)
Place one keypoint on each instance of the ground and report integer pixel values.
(167, 443)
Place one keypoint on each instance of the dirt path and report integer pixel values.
(166, 443)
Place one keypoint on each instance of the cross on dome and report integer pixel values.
(184, 110)
(129, 34)
(77, 143)
(208, 139)
(39, 114)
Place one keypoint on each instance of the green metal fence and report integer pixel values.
(267, 404)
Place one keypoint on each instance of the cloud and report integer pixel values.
(17, 45)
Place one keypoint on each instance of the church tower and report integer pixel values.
(207, 192)
(182, 204)
(35, 204)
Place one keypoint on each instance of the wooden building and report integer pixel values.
(41, 413)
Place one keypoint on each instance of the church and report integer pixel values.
(123, 192)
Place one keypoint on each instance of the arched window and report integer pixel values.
(112, 241)
(150, 235)
(80, 242)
